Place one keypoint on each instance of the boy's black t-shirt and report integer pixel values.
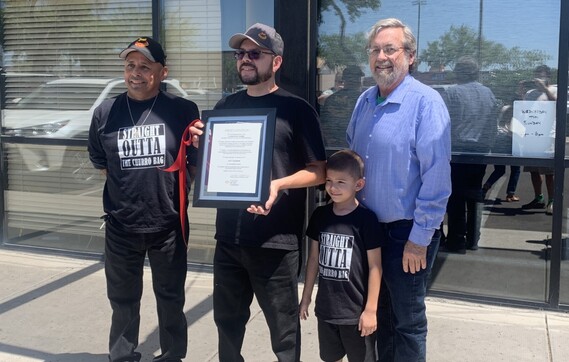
(342, 261)
(298, 141)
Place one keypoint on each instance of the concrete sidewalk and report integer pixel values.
(54, 308)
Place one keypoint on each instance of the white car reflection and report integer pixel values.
(63, 109)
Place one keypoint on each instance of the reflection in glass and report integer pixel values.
(63, 108)
(473, 110)
(564, 278)
(489, 32)
(63, 95)
(336, 108)
(512, 260)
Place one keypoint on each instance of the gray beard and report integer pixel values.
(385, 80)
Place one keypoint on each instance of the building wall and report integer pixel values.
(52, 195)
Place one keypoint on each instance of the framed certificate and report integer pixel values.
(235, 158)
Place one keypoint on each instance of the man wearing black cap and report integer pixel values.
(134, 138)
(257, 251)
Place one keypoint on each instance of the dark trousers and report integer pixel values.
(270, 275)
(499, 171)
(401, 312)
(124, 262)
(465, 204)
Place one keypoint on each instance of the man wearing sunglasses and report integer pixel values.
(257, 251)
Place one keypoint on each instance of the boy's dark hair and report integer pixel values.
(347, 161)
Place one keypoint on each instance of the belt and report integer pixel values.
(397, 223)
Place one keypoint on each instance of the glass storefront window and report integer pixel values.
(564, 279)
(507, 55)
(59, 61)
(53, 195)
(513, 256)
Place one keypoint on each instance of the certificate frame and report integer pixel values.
(235, 158)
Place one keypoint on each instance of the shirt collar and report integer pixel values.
(396, 96)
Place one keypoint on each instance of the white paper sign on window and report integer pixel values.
(533, 128)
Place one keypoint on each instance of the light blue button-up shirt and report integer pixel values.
(405, 144)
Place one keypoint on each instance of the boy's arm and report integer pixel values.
(368, 318)
(309, 279)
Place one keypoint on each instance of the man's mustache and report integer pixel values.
(247, 65)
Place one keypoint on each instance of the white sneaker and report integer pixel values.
(549, 208)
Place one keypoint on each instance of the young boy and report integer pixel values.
(345, 252)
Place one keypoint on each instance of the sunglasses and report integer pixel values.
(252, 54)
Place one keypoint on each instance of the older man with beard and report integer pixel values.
(401, 128)
(257, 251)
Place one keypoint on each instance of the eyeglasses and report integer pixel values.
(388, 51)
(252, 54)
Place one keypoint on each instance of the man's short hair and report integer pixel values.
(466, 69)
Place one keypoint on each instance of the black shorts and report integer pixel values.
(336, 341)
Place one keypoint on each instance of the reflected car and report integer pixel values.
(62, 109)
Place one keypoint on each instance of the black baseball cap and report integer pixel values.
(262, 35)
(149, 47)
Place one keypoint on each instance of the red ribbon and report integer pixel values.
(180, 166)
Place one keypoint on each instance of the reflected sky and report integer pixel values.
(526, 25)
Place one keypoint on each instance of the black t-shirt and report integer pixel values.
(298, 141)
(138, 194)
(342, 261)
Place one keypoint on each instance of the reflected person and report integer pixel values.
(503, 145)
(543, 91)
(473, 113)
(337, 109)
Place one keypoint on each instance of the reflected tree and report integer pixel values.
(502, 68)
(463, 40)
(339, 50)
(354, 9)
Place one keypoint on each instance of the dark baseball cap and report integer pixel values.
(262, 35)
(149, 47)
